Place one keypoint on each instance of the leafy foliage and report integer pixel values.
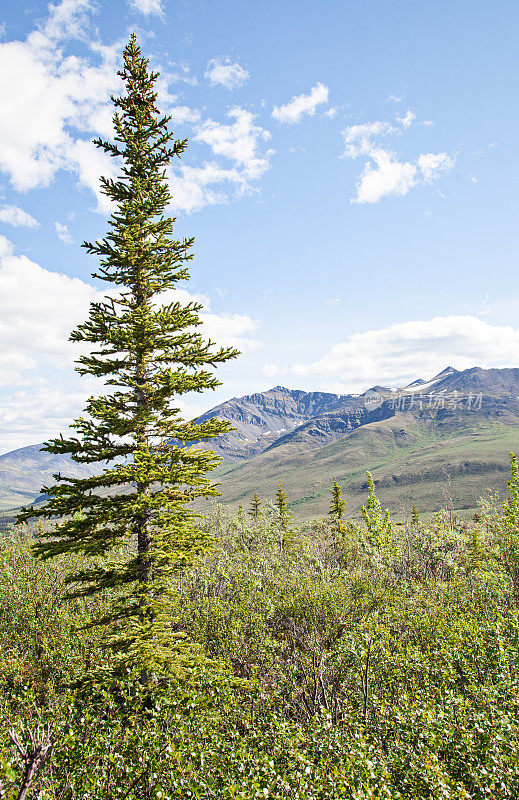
(379, 529)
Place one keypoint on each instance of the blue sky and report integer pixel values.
(351, 182)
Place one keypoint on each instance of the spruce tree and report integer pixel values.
(281, 506)
(255, 506)
(134, 519)
(337, 505)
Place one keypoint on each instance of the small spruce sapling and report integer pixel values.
(281, 506)
(255, 506)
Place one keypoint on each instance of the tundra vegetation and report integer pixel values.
(341, 659)
(146, 652)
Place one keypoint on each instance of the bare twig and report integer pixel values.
(365, 685)
(32, 751)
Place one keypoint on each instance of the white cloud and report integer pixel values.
(230, 330)
(63, 233)
(147, 7)
(13, 215)
(334, 301)
(433, 164)
(223, 72)
(183, 76)
(331, 113)
(407, 120)
(181, 115)
(393, 98)
(66, 19)
(90, 163)
(241, 143)
(238, 142)
(52, 103)
(384, 173)
(302, 105)
(38, 307)
(389, 176)
(403, 352)
(358, 138)
(270, 370)
(194, 188)
(47, 98)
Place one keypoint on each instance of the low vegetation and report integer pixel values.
(332, 660)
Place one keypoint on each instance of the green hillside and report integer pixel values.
(414, 461)
(23, 473)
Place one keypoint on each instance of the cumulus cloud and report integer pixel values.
(147, 7)
(33, 415)
(388, 176)
(38, 309)
(384, 172)
(241, 142)
(183, 75)
(433, 164)
(358, 138)
(47, 99)
(224, 72)
(52, 103)
(302, 105)
(13, 215)
(401, 353)
(238, 142)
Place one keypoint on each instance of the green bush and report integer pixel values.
(342, 664)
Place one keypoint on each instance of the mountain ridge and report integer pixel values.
(282, 424)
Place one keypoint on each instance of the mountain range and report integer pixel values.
(434, 442)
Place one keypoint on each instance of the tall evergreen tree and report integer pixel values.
(143, 343)
(337, 505)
